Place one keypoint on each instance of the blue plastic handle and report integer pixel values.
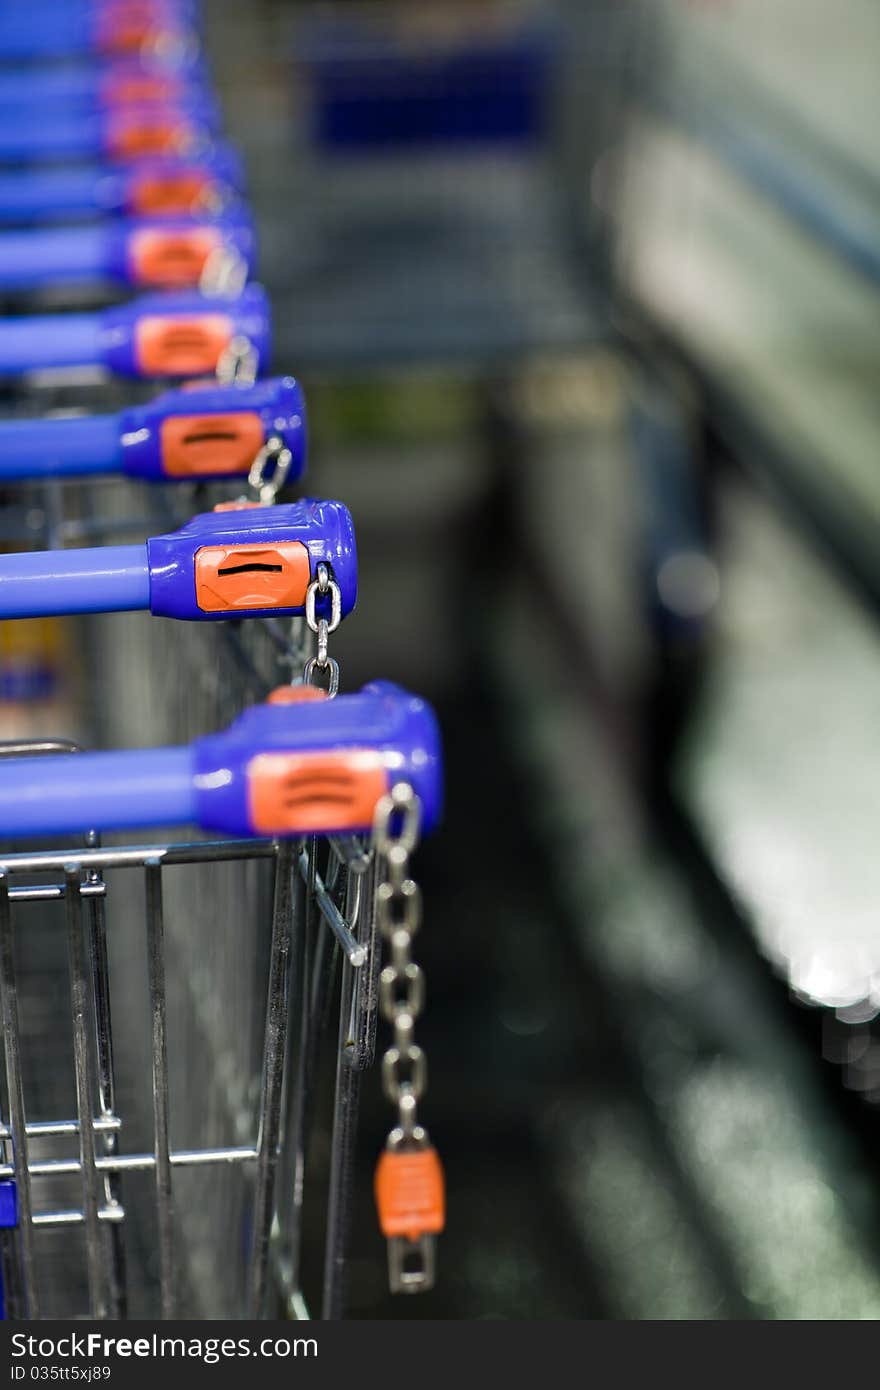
(83, 445)
(33, 138)
(28, 260)
(43, 583)
(50, 340)
(37, 195)
(126, 790)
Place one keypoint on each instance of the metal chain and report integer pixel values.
(323, 585)
(224, 274)
(270, 469)
(238, 363)
(402, 982)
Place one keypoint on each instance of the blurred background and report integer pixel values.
(584, 297)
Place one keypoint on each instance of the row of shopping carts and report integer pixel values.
(167, 1003)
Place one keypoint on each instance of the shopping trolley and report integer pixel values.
(344, 760)
(186, 1040)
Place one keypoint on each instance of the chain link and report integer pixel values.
(270, 469)
(402, 981)
(322, 662)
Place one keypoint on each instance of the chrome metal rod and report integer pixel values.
(85, 1103)
(352, 852)
(271, 1088)
(97, 933)
(76, 1218)
(12, 1040)
(346, 1106)
(53, 892)
(156, 967)
(132, 1163)
(137, 856)
(44, 1129)
(301, 1059)
(354, 952)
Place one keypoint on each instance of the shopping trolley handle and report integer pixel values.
(183, 333)
(174, 185)
(304, 765)
(163, 186)
(108, 108)
(151, 253)
(127, 82)
(314, 766)
(158, 335)
(208, 430)
(218, 162)
(203, 431)
(254, 561)
(101, 28)
(231, 563)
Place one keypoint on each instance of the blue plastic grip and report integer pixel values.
(49, 340)
(33, 138)
(59, 448)
(44, 583)
(30, 259)
(96, 791)
(57, 194)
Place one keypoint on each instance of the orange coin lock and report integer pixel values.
(170, 193)
(232, 577)
(170, 260)
(304, 793)
(196, 445)
(181, 346)
(134, 139)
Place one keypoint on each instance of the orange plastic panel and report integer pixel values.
(295, 695)
(307, 793)
(181, 347)
(410, 1193)
(230, 577)
(193, 445)
(238, 506)
(129, 139)
(171, 260)
(169, 193)
(127, 34)
(139, 88)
